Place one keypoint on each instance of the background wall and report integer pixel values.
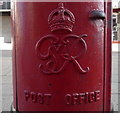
(6, 28)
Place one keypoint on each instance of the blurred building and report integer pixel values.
(116, 22)
(5, 18)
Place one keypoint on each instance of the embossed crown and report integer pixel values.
(61, 19)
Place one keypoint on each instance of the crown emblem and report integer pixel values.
(61, 19)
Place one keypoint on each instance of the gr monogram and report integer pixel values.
(61, 48)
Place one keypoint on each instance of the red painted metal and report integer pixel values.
(108, 59)
(117, 10)
(60, 56)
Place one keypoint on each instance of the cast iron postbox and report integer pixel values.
(62, 56)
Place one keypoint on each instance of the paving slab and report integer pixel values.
(7, 89)
(115, 88)
(115, 102)
(7, 79)
(6, 103)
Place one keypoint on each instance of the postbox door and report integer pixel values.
(59, 56)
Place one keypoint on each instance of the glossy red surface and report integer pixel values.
(56, 67)
(108, 58)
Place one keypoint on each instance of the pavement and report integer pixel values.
(6, 84)
(6, 80)
(116, 81)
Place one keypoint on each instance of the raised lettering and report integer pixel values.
(82, 97)
(27, 95)
(97, 95)
(48, 98)
(68, 99)
(40, 98)
(91, 97)
(86, 97)
(33, 97)
(75, 98)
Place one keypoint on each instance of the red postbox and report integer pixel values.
(62, 56)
